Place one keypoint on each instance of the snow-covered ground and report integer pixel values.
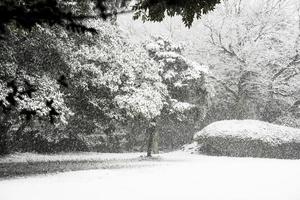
(90, 156)
(177, 175)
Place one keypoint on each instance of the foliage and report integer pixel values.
(71, 13)
(81, 83)
(188, 92)
(30, 91)
(153, 10)
(105, 89)
(119, 85)
(28, 13)
(109, 89)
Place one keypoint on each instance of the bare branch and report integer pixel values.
(295, 61)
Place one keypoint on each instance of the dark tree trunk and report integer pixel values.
(151, 134)
(150, 144)
(17, 138)
(155, 146)
(4, 128)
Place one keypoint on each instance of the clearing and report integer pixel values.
(176, 175)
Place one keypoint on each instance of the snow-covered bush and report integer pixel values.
(249, 138)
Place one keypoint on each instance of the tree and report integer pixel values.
(30, 91)
(105, 89)
(253, 48)
(114, 89)
(150, 133)
(188, 92)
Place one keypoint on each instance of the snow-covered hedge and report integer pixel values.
(249, 138)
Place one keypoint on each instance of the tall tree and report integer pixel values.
(116, 88)
(253, 48)
(188, 92)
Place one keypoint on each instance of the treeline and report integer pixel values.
(64, 90)
(88, 89)
(68, 91)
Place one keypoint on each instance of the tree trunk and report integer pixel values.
(155, 143)
(150, 144)
(4, 128)
(17, 139)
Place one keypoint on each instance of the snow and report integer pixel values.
(252, 129)
(197, 68)
(177, 175)
(182, 106)
(170, 54)
(153, 47)
(191, 148)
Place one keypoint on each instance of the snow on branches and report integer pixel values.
(178, 73)
(129, 77)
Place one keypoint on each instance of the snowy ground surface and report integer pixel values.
(177, 175)
(90, 156)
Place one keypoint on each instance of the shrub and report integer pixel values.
(249, 138)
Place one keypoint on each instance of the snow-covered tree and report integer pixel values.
(253, 50)
(188, 91)
(117, 82)
(29, 87)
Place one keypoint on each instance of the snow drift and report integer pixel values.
(249, 138)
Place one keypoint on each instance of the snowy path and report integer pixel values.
(185, 176)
